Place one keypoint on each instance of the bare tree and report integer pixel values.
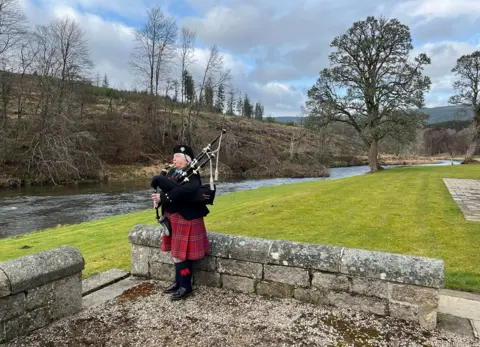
(186, 55)
(27, 54)
(12, 25)
(72, 48)
(467, 93)
(155, 48)
(59, 147)
(214, 71)
(47, 63)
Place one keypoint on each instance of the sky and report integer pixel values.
(275, 49)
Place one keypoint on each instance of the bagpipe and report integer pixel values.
(206, 193)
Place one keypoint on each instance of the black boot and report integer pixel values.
(185, 272)
(175, 285)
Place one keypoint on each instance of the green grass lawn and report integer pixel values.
(403, 210)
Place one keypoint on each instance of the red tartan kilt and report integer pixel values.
(189, 239)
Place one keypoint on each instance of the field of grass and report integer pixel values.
(402, 210)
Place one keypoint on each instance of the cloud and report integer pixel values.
(444, 55)
(110, 42)
(438, 8)
(124, 8)
(274, 49)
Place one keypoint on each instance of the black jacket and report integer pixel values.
(180, 199)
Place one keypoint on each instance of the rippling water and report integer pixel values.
(27, 209)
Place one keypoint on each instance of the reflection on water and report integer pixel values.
(27, 209)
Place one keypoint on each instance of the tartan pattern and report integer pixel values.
(189, 239)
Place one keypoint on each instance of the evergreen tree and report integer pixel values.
(208, 93)
(259, 111)
(230, 102)
(220, 102)
(189, 86)
(105, 82)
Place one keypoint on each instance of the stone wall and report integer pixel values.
(38, 289)
(400, 286)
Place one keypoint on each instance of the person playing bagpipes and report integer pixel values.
(184, 212)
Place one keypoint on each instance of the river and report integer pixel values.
(24, 210)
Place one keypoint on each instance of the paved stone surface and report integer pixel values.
(110, 292)
(466, 192)
(102, 280)
(454, 324)
(143, 316)
(466, 305)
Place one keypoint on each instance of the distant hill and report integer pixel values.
(437, 115)
(448, 113)
(288, 119)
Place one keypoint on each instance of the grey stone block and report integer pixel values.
(67, 297)
(312, 296)
(220, 244)
(275, 289)
(205, 264)
(36, 269)
(428, 297)
(240, 268)
(207, 278)
(289, 275)
(328, 281)
(28, 322)
(318, 257)
(404, 311)
(12, 306)
(40, 296)
(370, 287)
(101, 280)
(250, 249)
(3, 337)
(422, 271)
(146, 235)
(359, 302)
(161, 271)
(425, 316)
(4, 284)
(140, 260)
(239, 284)
(159, 256)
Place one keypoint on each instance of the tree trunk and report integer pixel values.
(474, 144)
(373, 156)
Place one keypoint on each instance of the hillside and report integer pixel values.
(106, 134)
(437, 115)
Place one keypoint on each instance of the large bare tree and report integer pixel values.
(467, 93)
(155, 48)
(372, 84)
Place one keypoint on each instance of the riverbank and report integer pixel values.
(9, 178)
(401, 210)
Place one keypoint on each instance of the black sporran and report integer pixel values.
(166, 222)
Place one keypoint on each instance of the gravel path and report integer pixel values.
(213, 317)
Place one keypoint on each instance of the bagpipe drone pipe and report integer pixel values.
(206, 194)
